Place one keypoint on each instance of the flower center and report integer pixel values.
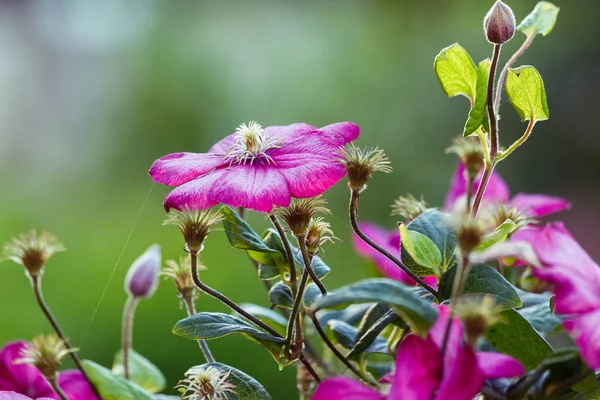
(251, 143)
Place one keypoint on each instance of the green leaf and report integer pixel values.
(351, 314)
(246, 387)
(280, 295)
(456, 72)
(478, 112)
(421, 249)
(212, 325)
(111, 386)
(311, 295)
(526, 92)
(346, 335)
(141, 371)
(516, 337)
(368, 336)
(541, 317)
(373, 314)
(482, 280)
(541, 20)
(500, 234)
(264, 314)
(380, 290)
(321, 269)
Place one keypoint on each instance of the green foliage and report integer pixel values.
(112, 386)
(540, 316)
(246, 387)
(478, 113)
(347, 335)
(141, 371)
(541, 20)
(526, 92)
(368, 333)
(500, 234)
(264, 314)
(422, 250)
(456, 72)
(280, 295)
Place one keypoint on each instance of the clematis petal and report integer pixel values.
(497, 190)
(256, 187)
(497, 365)
(194, 194)
(463, 378)
(22, 378)
(574, 293)
(341, 387)
(584, 329)
(75, 386)
(4, 395)
(539, 205)
(438, 331)
(178, 168)
(341, 132)
(418, 369)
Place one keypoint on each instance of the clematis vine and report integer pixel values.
(257, 168)
(575, 278)
(422, 373)
(26, 380)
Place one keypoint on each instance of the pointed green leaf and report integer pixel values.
(368, 336)
(516, 337)
(456, 72)
(500, 234)
(346, 335)
(264, 314)
(526, 92)
(541, 317)
(245, 386)
(482, 280)
(111, 386)
(141, 371)
(280, 295)
(478, 113)
(311, 295)
(541, 20)
(351, 314)
(421, 249)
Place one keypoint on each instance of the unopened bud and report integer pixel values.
(499, 24)
(476, 316)
(142, 277)
(32, 251)
(361, 163)
(194, 225)
(45, 353)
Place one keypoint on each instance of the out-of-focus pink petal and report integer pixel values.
(75, 386)
(584, 329)
(574, 293)
(12, 396)
(256, 187)
(539, 205)
(438, 331)
(497, 365)
(497, 190)
(178, 168)
(22, 378)
(195, 194)
(343, 388)
(418, 369)
(462, 379)
(458, 187)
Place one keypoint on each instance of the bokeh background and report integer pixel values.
(93, 91)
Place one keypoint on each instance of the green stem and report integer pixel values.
(308, 265)
(55, 386)
(191, 310)
(309, 368)
(127, 334)
(288, 252)
(493, 119)
(293, 319)
(501, 156)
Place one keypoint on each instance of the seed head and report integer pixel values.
(477, 314)
(499, 24)
(194, 225)
(32, 251)
(502, 212)
(181, 274)
(319, 232)
(298, 214)
(408, 207)
(45, 353)
(470, 153)
(469, 232)
(361, 163)
(205, 383)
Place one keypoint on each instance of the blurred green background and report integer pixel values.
(92, 92)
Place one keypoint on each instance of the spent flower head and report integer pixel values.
(319, 232)
(142, 278)
(205, 383)
(32, 251)
(361, 163)
(499, 24)
(469, 150)
(503, 212)
(181, 274)
(469, 232)
(194, 225)
(409, 207)
(45, 352)
(476, 315)
(299, 213)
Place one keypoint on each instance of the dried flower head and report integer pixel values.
(45, 353)
(181, 273)
(194, 225)
(319, 232)
(408, 207)
(476, 315)
(469, 232)
(361, 163)
(503, 212)
(298, 214)
(499, 24)
(205, 383)
(32, 251)
(469, 150)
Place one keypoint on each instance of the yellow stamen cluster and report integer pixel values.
(205, 383)
(251, 143)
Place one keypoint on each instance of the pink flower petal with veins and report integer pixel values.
(497, 190)
(194, 194)
(178, 168)
(539, 205)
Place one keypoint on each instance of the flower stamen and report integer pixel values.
(251, 144)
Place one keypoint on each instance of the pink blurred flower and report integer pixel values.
(422, 374)
(576, 281)
(27, 380)
(497, 191)
(16, 396)
(257, 168)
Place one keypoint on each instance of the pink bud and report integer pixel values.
(142, 277)
(499, 24)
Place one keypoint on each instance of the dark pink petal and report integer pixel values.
(75, 386)
(438, 331)
(341, 132)
(194, 194)
(497, 365)
(418, 369)
(462, 379)
(343, 388)
(584, 329)
(178, 168)
(22, 378)
(574, 293)
(497, 190)
(539, 205)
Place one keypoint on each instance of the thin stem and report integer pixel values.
(470, 183)
(354, 222)
(518, 142)
(309, 368)
(509, 64)
(127, 333)
(485, 179)
(490, 104)
(457, 288)
(225, 300)
(292, 319)
(288, 252)
(308, 265)
(56, 387)
(191, 310)
(37, 291)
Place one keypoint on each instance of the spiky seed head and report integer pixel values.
(205, 383)
(32, 251)
(469, 232)
(45, 352)
(181, 274)
(361, 163)
(298, 214)
(469, 151)
(409, 207)
(319, 232)
(195, 225)
(476, 315)
(503, 212)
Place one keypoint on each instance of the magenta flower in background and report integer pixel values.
(422, 374)
(497, 191)
(576, 283)
(27, 380)
(257, 168)
(16, 396)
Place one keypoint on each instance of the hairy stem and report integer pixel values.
(354, 222)
(309, 368)
(293, 319)
(127, 332)
(509, 63)
(485, 179)
(56, 387)
(288, 252)
(493, 118)
(225, 300)
(37, 291)
(308, 265)
(191, 310)
(470, 183)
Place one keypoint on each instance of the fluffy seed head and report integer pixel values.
(469, 232)
(469, 150)
(319, 232)
(476, 315)
(361, 163)
(251, 144)
(181, 274)
(32, 251)
(45, 353)
(194, 225)
(299, 213)
(499, 24)
(205, 383)
(409, 207)
(502, 212)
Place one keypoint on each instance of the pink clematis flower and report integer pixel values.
(16, 396)
(257, 168)
(575, 278)
(25, 379)
(497, 191)
(422, 374)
